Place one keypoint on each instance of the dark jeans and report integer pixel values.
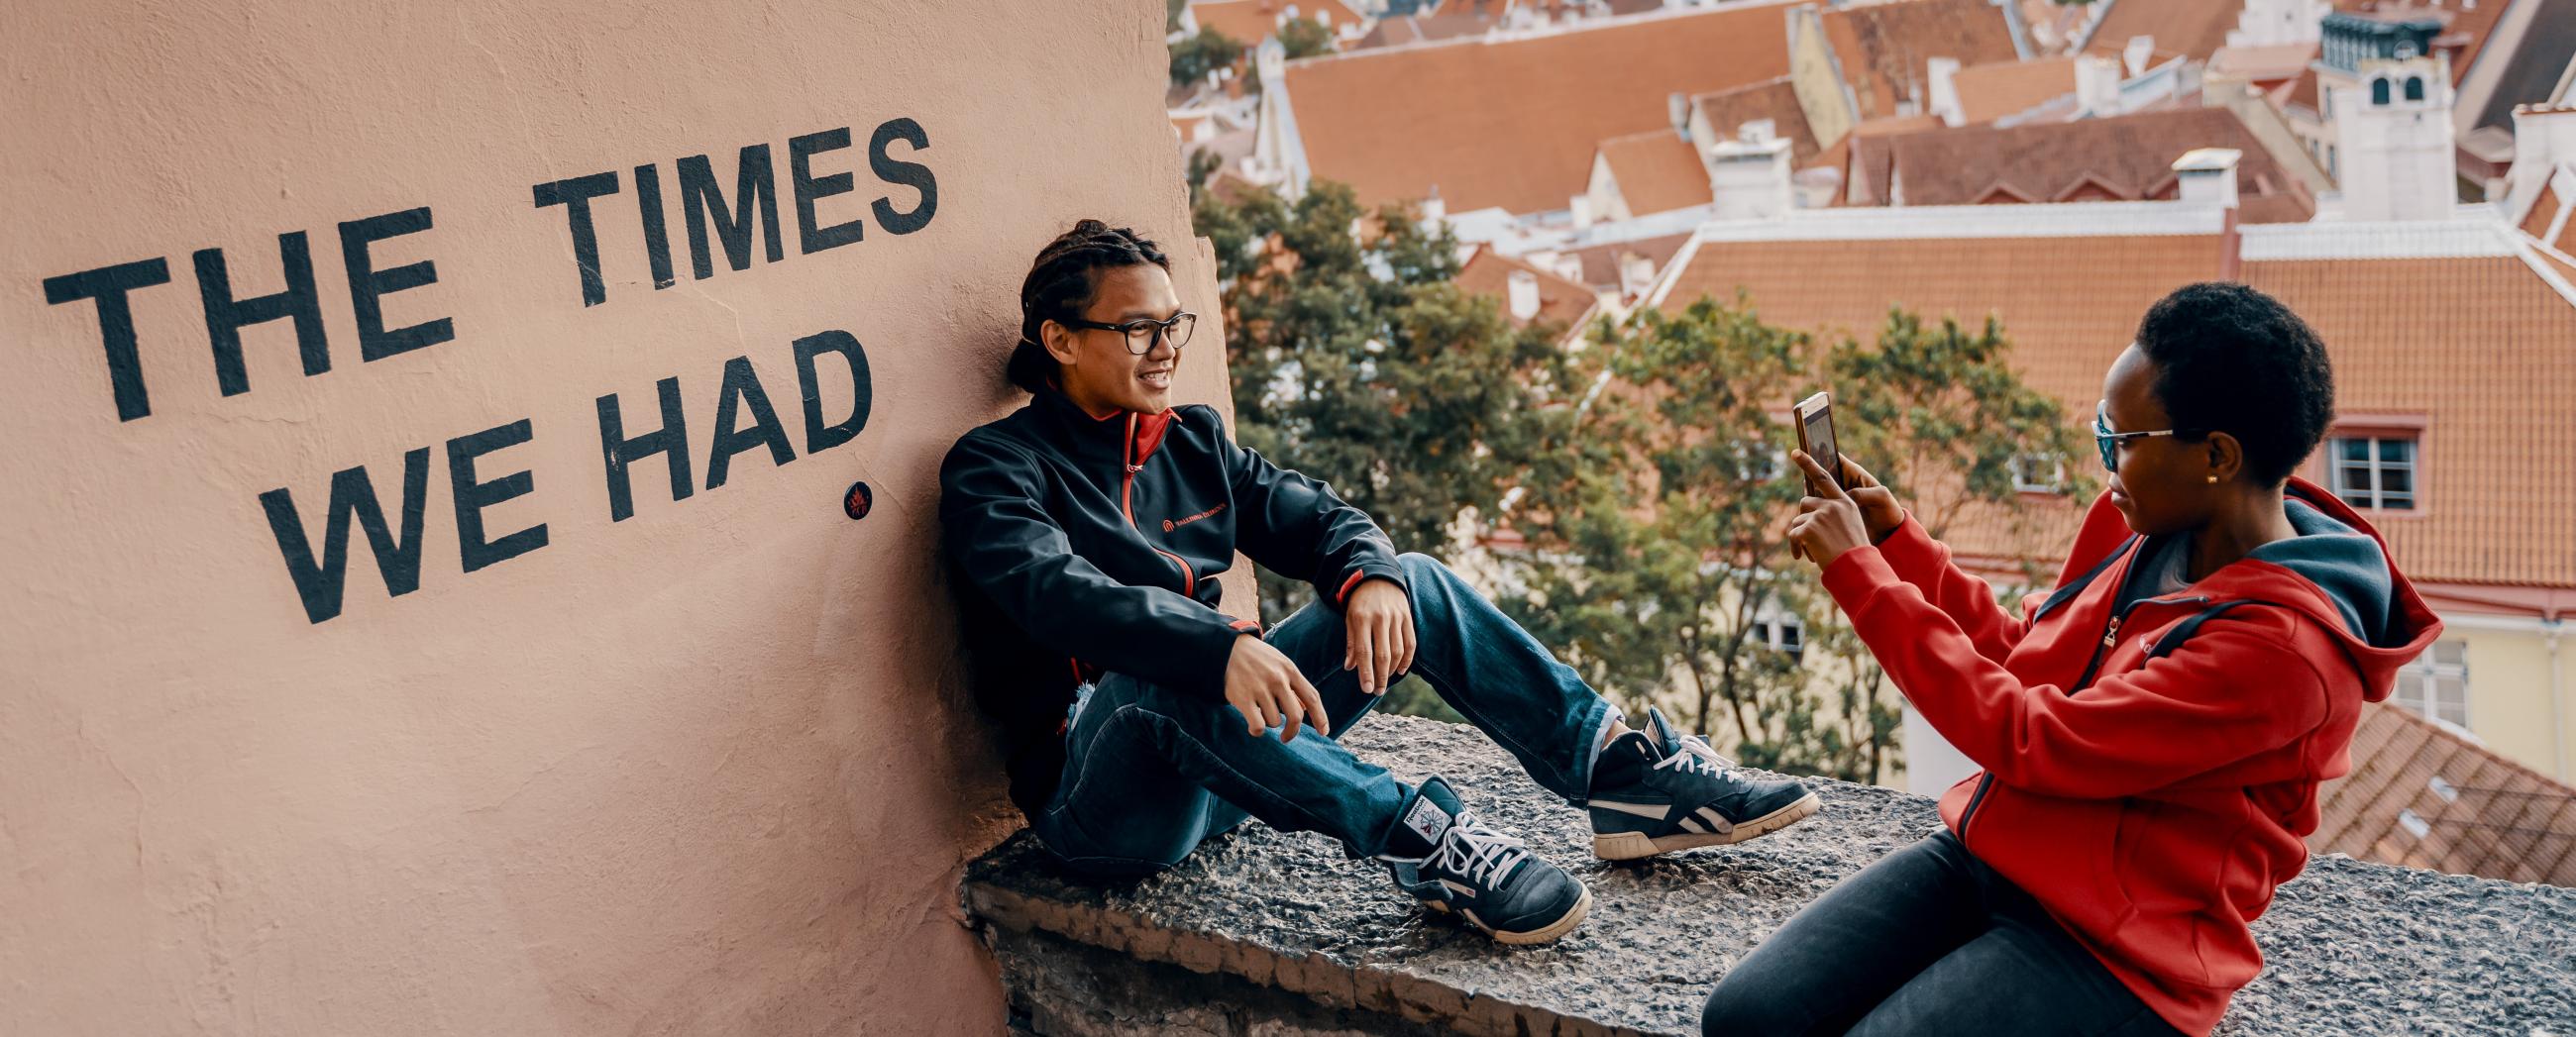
(1927, 941)
(1151, 771)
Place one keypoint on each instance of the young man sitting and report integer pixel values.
(1088, 529)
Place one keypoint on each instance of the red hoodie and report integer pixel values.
(2149, 776)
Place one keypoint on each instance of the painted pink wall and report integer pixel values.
(709, 769)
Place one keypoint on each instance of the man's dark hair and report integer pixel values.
(1060, 285)
(2231, 359)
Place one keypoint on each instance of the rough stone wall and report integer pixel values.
(2353, 947)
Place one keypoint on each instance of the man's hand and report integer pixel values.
(1265, 685)
(1829, 525)
(1878, 507)
(1379, 620)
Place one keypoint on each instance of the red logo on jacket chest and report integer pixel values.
(1170, 525)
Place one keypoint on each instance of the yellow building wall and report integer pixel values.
(2510, 701)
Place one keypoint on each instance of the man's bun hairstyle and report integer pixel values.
(1060, 285)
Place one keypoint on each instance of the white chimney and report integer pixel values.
(1944, 73)
(2394, 126)
(1523, 290)
(2544, 138)
(1750, 175)
(2208, 175)
(2097, 85)
(2140, 51)
(1433, 209)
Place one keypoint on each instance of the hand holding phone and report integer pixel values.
(1815, 421)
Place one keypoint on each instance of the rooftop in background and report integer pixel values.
(2124, 158)
(2423, 796)
(1883, 47)
(1997, 89)
(1657, 171)
(2196, 28)
(1248, 22)
(1550, 298)
(1512, 121)
(2428, 322)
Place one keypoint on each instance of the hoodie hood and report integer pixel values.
(2337, 569)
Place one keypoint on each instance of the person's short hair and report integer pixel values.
(1060, 286)
(2231, 359)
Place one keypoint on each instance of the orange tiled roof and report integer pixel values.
(1776, 100)
(1513, 123)
(1417, 28)
(2197, 28)
(1883, 47)
(1990, 92)
(2443, 338)
(1561, 302)
(2481, 814)
(2128, 158)
(1657, 171)
(1248, 22)
(2271, 64)
(2454, 339)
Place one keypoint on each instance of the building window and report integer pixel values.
(2436, 685)
(1780, 631)
(2374, 471)
(2414, 88)
(2039, 473)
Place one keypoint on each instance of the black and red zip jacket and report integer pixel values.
(1085, 544)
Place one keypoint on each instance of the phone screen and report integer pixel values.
(1820, 441)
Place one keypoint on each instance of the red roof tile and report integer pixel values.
(1657, 171)
(1561, 302)
(1992, 91)
(1884, 47)
(1514, 123)
(2197, 28)
(2480, 814)
(1250, 21)
(2127, 157)
(1776, 100)
(2449, 339)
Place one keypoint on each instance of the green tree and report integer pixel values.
(1357, 360)
(1304, 37)
(1653, 514)
(1194, 57)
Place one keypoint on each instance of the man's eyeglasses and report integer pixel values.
(1142, 332)
(2109, 441)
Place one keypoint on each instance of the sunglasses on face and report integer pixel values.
(1142, 333)
(2109, 442)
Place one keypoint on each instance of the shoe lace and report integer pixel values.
(1692, 754)
(1482, 854)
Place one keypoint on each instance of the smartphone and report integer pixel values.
(1816, 437)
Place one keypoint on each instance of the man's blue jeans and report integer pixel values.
(1151, 771)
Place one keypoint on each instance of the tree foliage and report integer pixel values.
(1304, 37)
(1196, 56)
(1358, 361)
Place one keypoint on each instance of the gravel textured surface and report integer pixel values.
(2353, 947)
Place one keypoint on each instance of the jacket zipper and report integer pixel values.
(2110, 635)
(1189, 580)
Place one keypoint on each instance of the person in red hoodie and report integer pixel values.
(2152, 732)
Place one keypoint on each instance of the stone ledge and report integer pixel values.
(1211, 946)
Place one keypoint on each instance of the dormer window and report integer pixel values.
(2378, 92)
(2414, 88)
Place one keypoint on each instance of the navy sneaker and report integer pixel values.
(1454, 863)
(1658, 790)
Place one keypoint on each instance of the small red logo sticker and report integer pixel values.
(1167, 525)
(858, 501)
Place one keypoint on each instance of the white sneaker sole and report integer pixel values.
(1544, 934)
(1629, 846)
